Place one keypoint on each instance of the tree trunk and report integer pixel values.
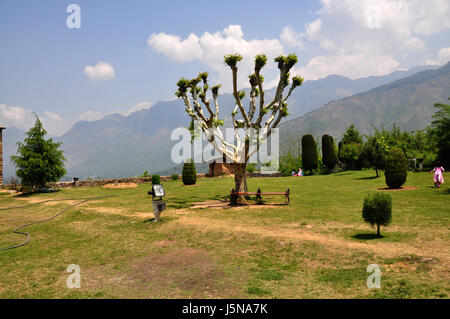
(378, 230)
(240, 180)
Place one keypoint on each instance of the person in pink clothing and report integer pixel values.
(438, 175)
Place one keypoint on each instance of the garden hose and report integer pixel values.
(16, 230)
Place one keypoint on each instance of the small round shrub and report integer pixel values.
(156, 179)
(189, 174)
(377, 210)
(396, 168)
(310, 158)
(174, 177)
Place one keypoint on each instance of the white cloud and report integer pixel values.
(290, 38)
(140, 106)
(24, 119)
(443, 57)
(355, 38)
(102, 71)
(16, 116)
(415, 44)
(367, 37)
(350, 65)
(178, 50)
(313, 29)
(90, 115)
(210, 48)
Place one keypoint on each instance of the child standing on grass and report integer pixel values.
(438, 175)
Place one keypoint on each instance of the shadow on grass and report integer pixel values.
(367, 178)
(441, 191)
(367, 236)
(26, 194)
(342, 174)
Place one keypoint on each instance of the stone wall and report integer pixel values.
(101, 182)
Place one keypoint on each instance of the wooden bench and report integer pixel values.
(235, 195)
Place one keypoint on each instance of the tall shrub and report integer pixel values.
(156, 179)
(329, 157)
(310, 158)
(189, 174)
(396, 168)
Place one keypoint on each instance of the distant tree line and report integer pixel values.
(356, 151)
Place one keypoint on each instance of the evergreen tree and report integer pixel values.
(39, 161)
(440, 131)
(328, 152)
(352, 136)
(189, 174)
(310, 158)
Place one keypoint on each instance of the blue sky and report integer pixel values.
(129, 54)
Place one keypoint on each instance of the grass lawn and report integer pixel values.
(316, 247)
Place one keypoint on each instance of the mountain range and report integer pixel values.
(119, 146)
(407, 102)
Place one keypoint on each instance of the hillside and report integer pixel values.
(408, 102)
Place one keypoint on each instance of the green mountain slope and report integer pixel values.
(408, 102)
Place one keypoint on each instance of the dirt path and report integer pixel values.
(427, 249)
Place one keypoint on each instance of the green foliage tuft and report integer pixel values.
(260, 61)
(377, 210)
(232, 59)
(189, 174)
(203, 76)
(174, 177)
(215, 89)
(297, 81)
(396, 168)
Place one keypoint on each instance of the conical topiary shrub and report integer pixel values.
(189, 173)
(156, 179)
(329, 156)
(310, 159)
(395, 168)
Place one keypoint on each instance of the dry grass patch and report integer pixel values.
(120, 185)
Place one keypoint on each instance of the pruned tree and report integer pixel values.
(259, 116)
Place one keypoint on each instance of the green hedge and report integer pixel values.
(329, 157)
(396, 168)
(189, 174)
(310, 158)
(156, 179)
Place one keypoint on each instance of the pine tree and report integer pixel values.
(328, 152)
(39, 161)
